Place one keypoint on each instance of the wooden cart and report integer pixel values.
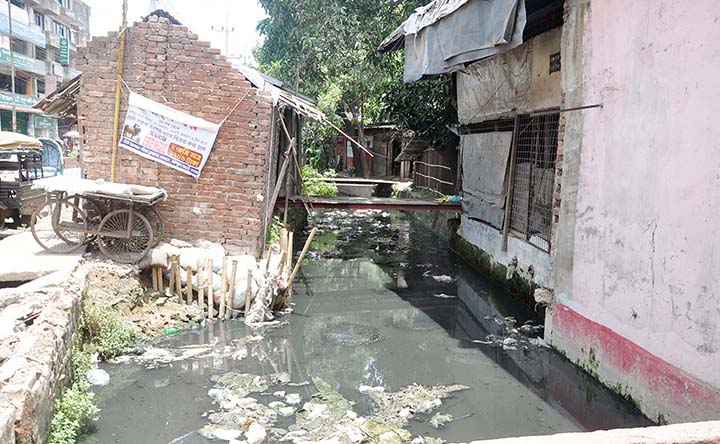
(124, 226)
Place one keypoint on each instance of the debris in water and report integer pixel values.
(397, 408)
(255, 434)
(97, 377)
(242, 384)
(427, 440)
(351, 335)
(444, 279)
(444, 296)
(439, 420)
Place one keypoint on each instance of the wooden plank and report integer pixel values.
(386, 203)
(511, 185)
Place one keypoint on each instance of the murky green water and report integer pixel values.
(379, 276)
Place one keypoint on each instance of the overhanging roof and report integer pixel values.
(281, 95)
(62, 102)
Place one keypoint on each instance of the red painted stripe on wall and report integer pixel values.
(682, 392)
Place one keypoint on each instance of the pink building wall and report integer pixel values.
(637, 283)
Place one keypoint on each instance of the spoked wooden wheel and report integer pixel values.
(59, 226)
(125, 236)
(153, 215)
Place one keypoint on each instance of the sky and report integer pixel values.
(207, 18)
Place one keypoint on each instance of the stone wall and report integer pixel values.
(34, 361)
(168, 64)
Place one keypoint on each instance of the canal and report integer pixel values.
(381, 302)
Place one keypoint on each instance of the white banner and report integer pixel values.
(168, 136)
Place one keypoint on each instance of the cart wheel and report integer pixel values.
(153, 216)
(92, 210)
(59, 226)
(112, 238)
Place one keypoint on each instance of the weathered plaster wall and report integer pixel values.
(638, 302)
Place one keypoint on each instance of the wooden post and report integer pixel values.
(211, 294)
(276, 191)
(155, 278)
(201, 288)
(161, 280)
(248, 291)
(511, 184)
(269, 258)
(188, 285)
(171, 286)
(231, 293)
(223, 289)
(178, 278)
(288, 264)
(281, 264)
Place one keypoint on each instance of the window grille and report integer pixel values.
(531, 210)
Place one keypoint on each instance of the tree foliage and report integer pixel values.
(328, 49)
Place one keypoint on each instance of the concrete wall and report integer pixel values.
(488, 239)
(168, 64)
(637, 287)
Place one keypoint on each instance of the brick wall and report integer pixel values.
(168, 64)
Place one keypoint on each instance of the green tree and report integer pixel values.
(328, 49)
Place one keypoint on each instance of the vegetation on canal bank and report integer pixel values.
(75, 410)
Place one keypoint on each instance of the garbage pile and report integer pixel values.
(120, 287)
(325, 418)
(200, 274)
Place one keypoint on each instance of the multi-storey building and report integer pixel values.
(45, 38)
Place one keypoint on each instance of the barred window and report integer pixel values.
(534, 178)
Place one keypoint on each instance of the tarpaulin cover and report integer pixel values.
(485, 159)
(10, 140)
(444, 35)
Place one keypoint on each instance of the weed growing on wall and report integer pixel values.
(106, 329)
(75, 410)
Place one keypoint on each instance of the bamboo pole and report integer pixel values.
(188, 285)
(231, 293)
(223, 289)
(201, 288)
(118, 90)
(299, 262)
(248, 291)
(210, 289)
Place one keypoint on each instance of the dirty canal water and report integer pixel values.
(381, 303)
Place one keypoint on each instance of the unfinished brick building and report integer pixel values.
(167, 63)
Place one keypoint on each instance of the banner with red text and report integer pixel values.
(168, 136)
